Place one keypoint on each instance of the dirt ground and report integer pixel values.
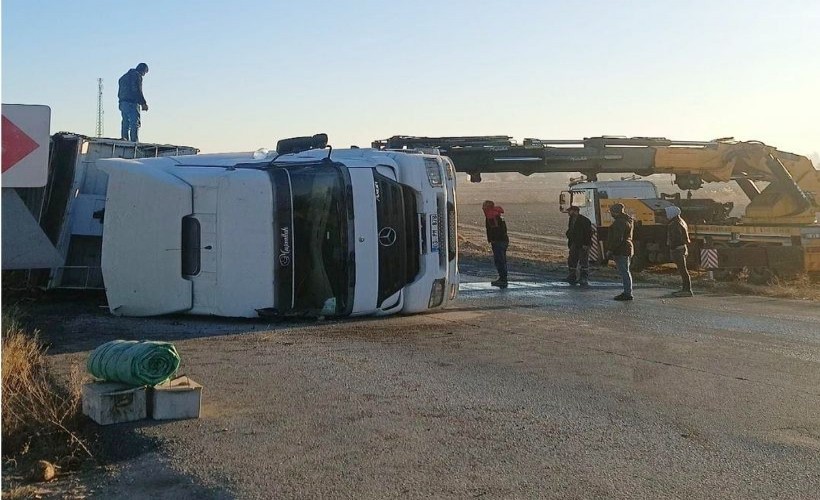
(505, 395)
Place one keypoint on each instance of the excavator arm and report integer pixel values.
(791, 195)
(792, 191)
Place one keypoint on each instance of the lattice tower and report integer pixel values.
(100, 112)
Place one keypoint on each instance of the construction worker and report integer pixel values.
(498, 240)
(620, 248)
(131, 100)
(579, 240)
(677, 238)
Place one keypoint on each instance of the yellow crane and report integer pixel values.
(778, 231)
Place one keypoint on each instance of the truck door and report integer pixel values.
(583, 199)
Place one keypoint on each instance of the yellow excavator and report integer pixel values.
(778, 232)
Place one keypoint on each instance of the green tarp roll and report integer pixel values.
(134, 362)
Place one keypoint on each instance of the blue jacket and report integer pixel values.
(131, 88)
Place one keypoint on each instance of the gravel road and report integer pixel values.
(537, 391)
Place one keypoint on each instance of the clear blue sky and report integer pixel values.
(239, 75)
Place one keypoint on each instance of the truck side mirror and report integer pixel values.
(299, 144)
(564, 201)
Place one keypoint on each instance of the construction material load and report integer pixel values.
(135, 363)
(63, 229)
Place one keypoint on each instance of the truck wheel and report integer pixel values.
(761, 275)
(726, 274)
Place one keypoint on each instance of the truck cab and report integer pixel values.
(641, 201)
(350, 232)
(588, 195)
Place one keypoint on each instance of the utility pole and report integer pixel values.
(99, 107)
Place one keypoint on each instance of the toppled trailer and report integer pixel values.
(69, 209)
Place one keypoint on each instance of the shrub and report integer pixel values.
(41, 418)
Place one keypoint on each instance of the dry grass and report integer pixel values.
(801, 288)
(41, 418)
(21, 493)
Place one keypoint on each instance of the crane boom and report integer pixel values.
(792, 195)
(477, 155)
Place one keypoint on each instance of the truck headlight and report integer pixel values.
(436, 294)
(433, 171)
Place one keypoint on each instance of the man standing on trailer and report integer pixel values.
(677, 238)
(498, 239)
(131, 100)
(619, 246)
(579, 240)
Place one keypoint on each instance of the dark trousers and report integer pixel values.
(679, 257)
(578, 260)
(500, 258)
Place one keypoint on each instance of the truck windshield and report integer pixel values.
(314, 278)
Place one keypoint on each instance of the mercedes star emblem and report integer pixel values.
(387, 236)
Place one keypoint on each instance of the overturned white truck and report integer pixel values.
(302, 231)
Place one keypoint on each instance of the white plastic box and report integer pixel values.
(176, 399)
(112, 403)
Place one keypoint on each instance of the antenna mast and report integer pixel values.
(99, 107)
